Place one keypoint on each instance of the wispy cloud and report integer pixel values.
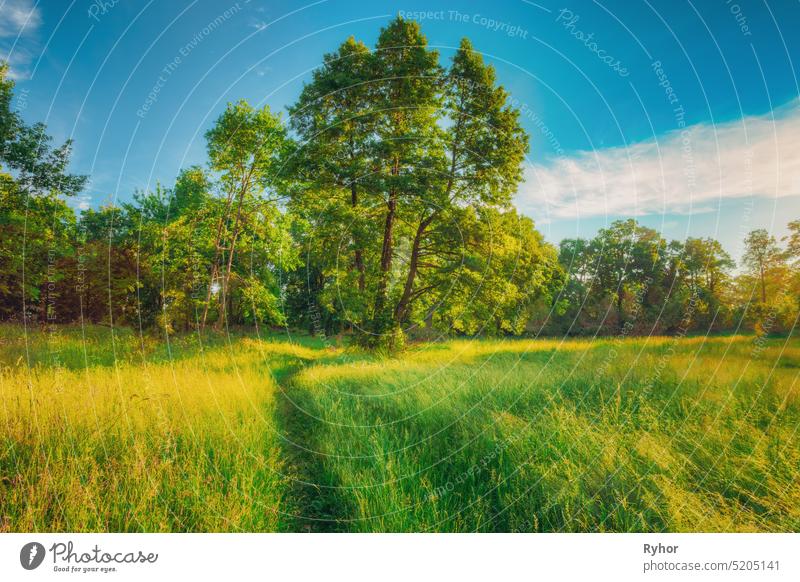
(685, 172)
(19, 20)
(257, 24)
(18, 17)
(18, 61)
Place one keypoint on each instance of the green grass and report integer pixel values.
(105, 431)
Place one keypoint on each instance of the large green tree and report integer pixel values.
(392, 148)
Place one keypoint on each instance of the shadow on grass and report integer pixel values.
(75, 347)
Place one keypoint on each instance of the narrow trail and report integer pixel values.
(315, 500)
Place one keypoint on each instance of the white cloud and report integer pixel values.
(18, 17)
(18, 62)
(685, 171)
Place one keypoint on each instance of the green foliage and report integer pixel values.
(793, 241)
(383, 210)
(762, 257)
(245, 149)
(496, 284)
(392, 150)
(36, 226)
(39, 167)
(628, 280)
(37, 234)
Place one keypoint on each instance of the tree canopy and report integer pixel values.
(380, 206)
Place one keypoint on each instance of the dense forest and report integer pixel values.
(380, 206)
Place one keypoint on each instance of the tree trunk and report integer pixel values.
(215, 264)
(226, 279)
(358, 259)
(214, 273)
(404, 305)
(387, 251)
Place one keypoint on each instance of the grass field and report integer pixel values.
(107, 431)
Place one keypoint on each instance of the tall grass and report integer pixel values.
(158, 438)
(641, 435)
(106, 431)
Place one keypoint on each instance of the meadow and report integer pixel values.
(108, 430)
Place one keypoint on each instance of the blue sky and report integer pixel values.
(682, 114)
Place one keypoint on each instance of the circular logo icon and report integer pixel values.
(31, 555)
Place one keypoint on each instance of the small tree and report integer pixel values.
(761, 255)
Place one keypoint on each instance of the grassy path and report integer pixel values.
(314, 491)
(538, 436)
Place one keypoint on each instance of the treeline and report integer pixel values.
(630, 280)
(382, 208)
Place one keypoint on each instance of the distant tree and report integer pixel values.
(629, 257)
(793, 241)
(793, 257)
(104, 269)
(650, 283)
(574, 254)
(706, 263)
(171, 233)
(700, 276)
(761, 255)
